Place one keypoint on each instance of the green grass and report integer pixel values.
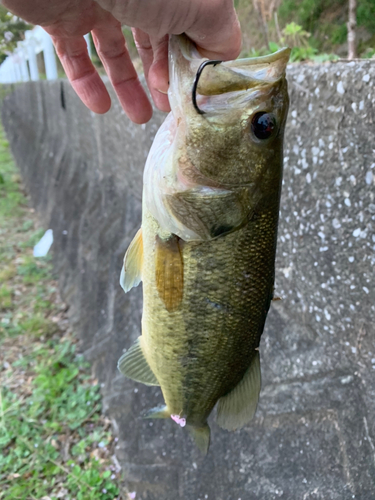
(12, 199)
(5, 297)
(63, 403)
(54, 440)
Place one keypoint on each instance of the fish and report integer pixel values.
(205, 251)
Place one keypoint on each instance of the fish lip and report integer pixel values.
(192, 74)
(281, 54)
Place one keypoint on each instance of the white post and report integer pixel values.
(21, 53)
(4, 72)
(88, 41)
(24, 70)
(10, 72)
(15, 72)
(352, 24)
(49, 57)
(31, 55)
(16, 68)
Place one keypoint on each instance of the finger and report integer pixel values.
(158, 75)
(110, 45)
(144, 48)
(81, 73)
(221, 37)
(154, 56)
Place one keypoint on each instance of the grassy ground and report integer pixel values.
(54, 442)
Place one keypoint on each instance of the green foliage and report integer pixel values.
(339, 34)
(11, 198)
(33, 270)
(302, 53)
(294, 35)
(12, 30)
(274, 47)
(297, 38)
(307, 13)
(38, 326)
(369, 53)
(54, 442)
(366, 14)
(61, 399)
(5, 297)
(327, 21)
(323, 57)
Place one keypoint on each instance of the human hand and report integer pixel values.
(211, 24)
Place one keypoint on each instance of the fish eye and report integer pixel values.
(263, 125)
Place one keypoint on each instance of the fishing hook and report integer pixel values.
(196, 80)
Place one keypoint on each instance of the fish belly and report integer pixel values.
(201, 350)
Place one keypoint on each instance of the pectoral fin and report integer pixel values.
(131, 273)
(134, 365)
(238, 407)
(169, 272)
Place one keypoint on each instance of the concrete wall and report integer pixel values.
(314, 433)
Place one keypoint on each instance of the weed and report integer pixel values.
(5, 297)
(54, 441)
(294, 36)
(32, 270)
(369, 53)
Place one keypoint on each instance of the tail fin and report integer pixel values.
(201, 436)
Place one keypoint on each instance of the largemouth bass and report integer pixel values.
(206, 248)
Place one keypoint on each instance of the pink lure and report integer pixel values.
(179, 420)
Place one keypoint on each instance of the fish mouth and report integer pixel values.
(244, 74)
(191, 74)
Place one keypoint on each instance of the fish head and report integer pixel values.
(230, 116)
(224, 132)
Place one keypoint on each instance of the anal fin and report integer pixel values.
(238, 407)
(134, 365)
(131, 273)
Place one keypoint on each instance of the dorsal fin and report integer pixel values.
(238, 407)
(131, 273)
(134, 365)
(169, 272)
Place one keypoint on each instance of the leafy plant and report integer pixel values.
(295, 36)
(54, 441)
(327, 22)
(302, 53)
(12, 30)
(369, 53)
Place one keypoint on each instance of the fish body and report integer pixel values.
(206, 248)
